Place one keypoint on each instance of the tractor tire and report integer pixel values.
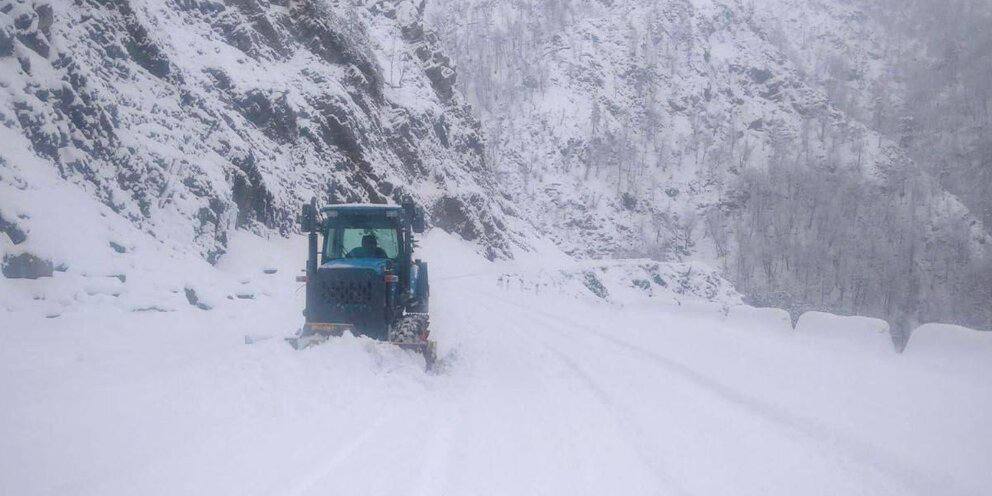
(410, 328)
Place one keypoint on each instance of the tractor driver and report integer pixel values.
(369, 249)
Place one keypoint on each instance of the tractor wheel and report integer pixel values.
(410, 328)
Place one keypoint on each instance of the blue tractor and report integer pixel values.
(362, 277)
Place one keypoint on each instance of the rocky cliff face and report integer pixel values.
(190, 118)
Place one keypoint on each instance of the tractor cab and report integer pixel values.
(361, 274)
(363, 233)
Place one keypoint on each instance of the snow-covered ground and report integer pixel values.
(541, 392)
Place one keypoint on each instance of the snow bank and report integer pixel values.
(953, 348)
(841, 332)
(765, 320)
(937, 339)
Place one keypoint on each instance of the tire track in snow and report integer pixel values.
(312, 478)
(623, 420)
(859, 451)
(436, 457)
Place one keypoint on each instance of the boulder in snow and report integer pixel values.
(194, 299)
(26, 266)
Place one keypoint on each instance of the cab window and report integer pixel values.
(340, 242)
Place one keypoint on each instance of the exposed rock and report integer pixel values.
(151, 308)
(595, 285)
(221, 79)
(247, 26)
(26, 266)
(46, 16)
(451, 214)
(337, 39)
(140, 46)
(12, 230)
(32, 24)
(250, 194)
(194, 299)
(271, 114)
(6, 38)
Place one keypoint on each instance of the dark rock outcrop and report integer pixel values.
(26, 266)
(12, 230)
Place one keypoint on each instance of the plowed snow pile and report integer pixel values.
(544, 391)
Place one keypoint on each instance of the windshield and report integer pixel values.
(361, 242)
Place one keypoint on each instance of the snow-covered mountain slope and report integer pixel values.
(190, 118)
(721, 131)
(629, 123)
(543, 392)
(914, 70)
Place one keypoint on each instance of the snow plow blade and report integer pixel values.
(317, 334)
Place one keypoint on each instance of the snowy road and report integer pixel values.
(541, 394)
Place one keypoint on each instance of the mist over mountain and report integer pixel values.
(796, 145)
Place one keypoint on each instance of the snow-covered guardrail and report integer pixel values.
(951, 346)
(845, 332)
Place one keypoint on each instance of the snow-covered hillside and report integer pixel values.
(190, 118)
(630, 123)
(745, 134)
(542, 391)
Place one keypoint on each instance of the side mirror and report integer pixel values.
(308, 219)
